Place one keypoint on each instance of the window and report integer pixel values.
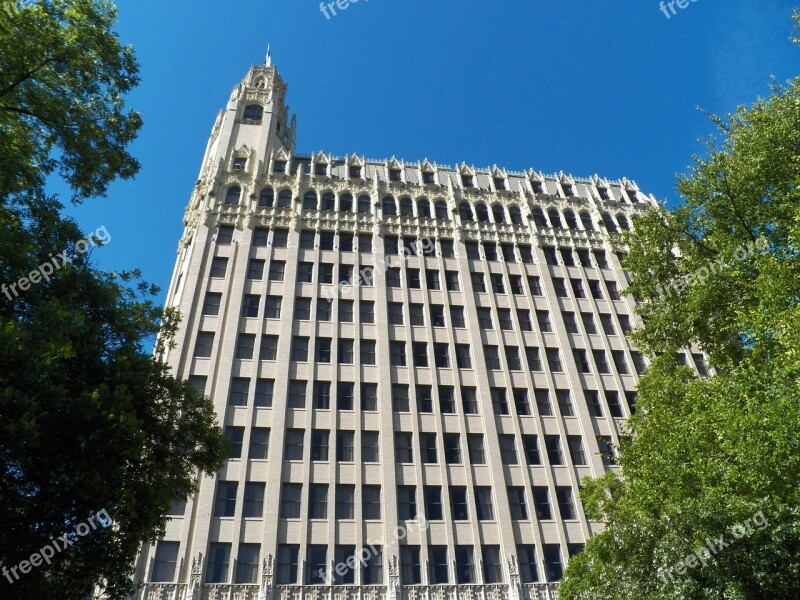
(552, 561)
(299, 349)
(553, 445)
(508, 449)
(508, 253)
(326, 273)
(531, 445)
(550, 256)
(534, 359)
(211, 304)
(277, 269)
(272, 310)
(578, 456)
(307, 239)
(484, 506)
(439, 567)
(457, 316)
(543, 318)
(424, 399)
(536, 286)
(305, 272)
(582, 360)
(253, 507)
(345, 311)
(166, 560)
(567, 257)
(490, 251)
(365, 243)
(371, 502)
(294, 444)
(345, 242)
(400, 402)
(625, 324)
(541, 501)
(225, 235)
(601, 361)
(239, 391)
(595, 290)
(225, 499)
(287, 564)
(345, 395)
(640, 365)
(432, 279)
(406, 503)
(473, 252)
(504, 319)
(559, 287)
(447, 402)
(526, 558)
(433, 503)
(698, 359)
(219, 265)
(320, 445)
(452, 449)
(366, 311)
(323, 350)
(326, 241)
(463, 358)
(570, 323)
(614, 406)
(391, 245)
(465, 565)
(543, 403)
(302, 309)
(344, 555)
(370, 448)
(290, 500)
(393, 277)
(492, 358)
(512, 358)
(235, 435)
(404, 452)
(492, 566)
(198, 382)
(499, 401)
(469, 400)
(255, 269)
(428, 449)
(322, 395)
(593, 403)
(219, 560)
(345, 502)
(458, 503)
(618, 356)
(477, 455)
(394, 313)
(410, 565)
(245, 344)
(259, 445)
(522, 402)
(204, 344)
(554, 360)
(397, 354)
(447, 249)
(564, 400)
(526, 254)
(588, 323)
(368, 352)
(316, 564)
(613, 291)
(601, 258)
(517, 504)
(369, 397)
(441, 210)
(318, 501)
(478, 284)
(441, 353)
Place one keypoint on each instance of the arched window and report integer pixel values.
(253, 112)
(284, 199)
(623, 222)
(233, 195)
(465, 212)
(570, 219)
(267, 198)
(406, 207)
(389, 206)
(328, 201)
(310, 200)
(609, 223)
(346, 203)
(555, 219)
(423, 208)
(586, 219)
(482, 212)
(499, 213)
(539, 218)
(364, 204)
(516, 215)
(441, 210)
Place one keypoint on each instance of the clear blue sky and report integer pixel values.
(580, 86)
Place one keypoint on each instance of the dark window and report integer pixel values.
(531, 446)
(458, 503)
(225, 499)
(517, 504)
(204, 344)
(219, 265)
(345, 502)
(433, 503)
(219, 559)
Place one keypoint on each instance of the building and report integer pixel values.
(416, 364)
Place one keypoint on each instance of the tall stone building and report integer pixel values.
(417, 366)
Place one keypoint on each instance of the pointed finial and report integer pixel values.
(269, 57)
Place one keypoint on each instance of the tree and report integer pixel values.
(97, 438)
(707, 504)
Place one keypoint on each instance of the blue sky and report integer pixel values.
(580, 86)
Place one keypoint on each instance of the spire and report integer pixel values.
(269, 57)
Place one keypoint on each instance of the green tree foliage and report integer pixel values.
(89, 420)
(713, 462)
